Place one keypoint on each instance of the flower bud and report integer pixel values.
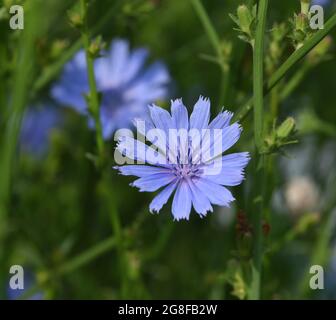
(245, 18)
(76, 20)
(305, 6)
(96, 46)
(301, 22)
(286, 128)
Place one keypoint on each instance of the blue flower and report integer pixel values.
(37, 125)
(197, 173)
(29, 282)
(125, 84)
(321, 2)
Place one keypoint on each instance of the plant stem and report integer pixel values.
(122, 253)
(289, 64)
(17, 102)
(208, 27)
(77, 262)
(258, 74)
(216, 44)
(87, 256)
(110, 200)
(160, 242)
(294, 82)
(93, 103)
(258, 96)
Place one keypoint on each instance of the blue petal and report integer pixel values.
(73, 84)
(118, 58)
(135, 64)
(140, 170)
(147, 129)
(164, 123)
(139, 151)
(37, 125)
(200, 116)
(221, 121)
(216, 193)
(161, 118)
(200, 202)
(236, 160)
(153, 182)
(150, 86)
(161, 199)
(227, 170)
(179, 114)
(182, 202)
(219, 141)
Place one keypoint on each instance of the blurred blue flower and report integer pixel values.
(321, 2)
(197, 174)
(38, 122)
(125, 84)
(29, 281)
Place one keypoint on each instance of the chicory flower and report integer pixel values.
(126, 85)
(198, 173)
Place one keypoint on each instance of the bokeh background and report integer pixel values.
(56, 205)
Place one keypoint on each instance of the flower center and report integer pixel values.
(184, 171)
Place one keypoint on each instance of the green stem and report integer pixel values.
(50, 72)
(93, 102)
(87, 256)
(17, 103)
(258, 96)
(110, 199)
(258, 74)
(79, 261)
(122, 253)
(208, 27)
(290, 63)
(161, 242)
(295, 81)
(216, 44)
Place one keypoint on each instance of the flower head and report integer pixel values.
(125, 84)
(190, 161)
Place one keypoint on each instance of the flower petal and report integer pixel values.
(219, 141)
(153, 182)
(135, 63)
(140, 170)
(73, 84)
(200, 202)
(216, 193)
(182, 202)
(139, 151)
(161, 199)
(200, 116)
(147, 129)
(161, 118)
(221, 121)
(150, 86)
(179, 114)
(227, 170)
(118, 57)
